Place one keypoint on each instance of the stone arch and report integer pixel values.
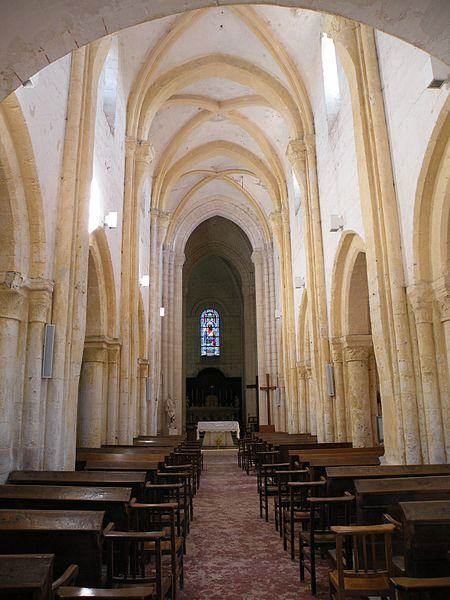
(97, 391)
(355, 373)
(429, 294)
(24, 57)
(431, 236)
(230, 67)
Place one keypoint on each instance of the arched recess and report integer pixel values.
(98, 391)
(355, 372)
(429, 294)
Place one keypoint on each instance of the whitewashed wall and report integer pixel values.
(412, 111)
(44, 108)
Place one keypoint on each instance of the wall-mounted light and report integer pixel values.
(299, 282)
(277, 313)
(110, 220)
(336, 223)
(161, 311)
(144, 281)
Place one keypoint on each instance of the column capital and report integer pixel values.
(179, 260)
(336, 350)
(276, 220)
(144, 152)
(420, 297)
(114, 351)
(341, 30)
(12, 297)
(257, 256)
(95, 351)
(39, 303)
(441, 289)
(296, 153)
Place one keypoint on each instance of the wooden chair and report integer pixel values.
(268, 487)
(324, 513)
(158, 493)
(128, 561)
(416, 587)
(297, 512)
(283, 478)
(149, 517)
(131, 593)
(372, 561)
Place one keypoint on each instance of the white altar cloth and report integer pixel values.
(215, 429)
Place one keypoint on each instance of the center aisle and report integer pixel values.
(231, 552)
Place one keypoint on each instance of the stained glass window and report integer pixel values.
(210, 333)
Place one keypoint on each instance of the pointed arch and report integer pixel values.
(101, 256)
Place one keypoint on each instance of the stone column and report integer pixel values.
(179, 390)
(90, 408)
(141, 428)
(112, 429)
(339, 391)
(261, 335)
(442, 295)
(312, 399)
(12, 312)
(302, 400)
(33, 408)
(357, 349)
(421, 300)
(250, 353)
(301, 154)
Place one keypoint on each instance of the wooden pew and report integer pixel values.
(319, 464)
(144, 466)
(341, 479)
(97, 454)
(426, 538)
(136, 480)
(74, 537)
(112, 501)
(377, 496)
(29, 575)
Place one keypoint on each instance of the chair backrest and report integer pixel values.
(371, 552)
(326, 512)
(128, 560)
(300, 491)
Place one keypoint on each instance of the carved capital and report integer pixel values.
(257, 256)
(12, 280)
(130, 146)
(95, 352)
(296, 154)
(341, 30)
(442, 296)
(179, 260)
(421, 300)
(276, 220)
(336, 352)
(114, 352)
(12, 303)
(357, 353)
(144, 152)
(39, 303)
(143, 366)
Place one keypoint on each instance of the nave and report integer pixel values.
(232, 553)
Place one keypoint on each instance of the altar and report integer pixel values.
(218, 431)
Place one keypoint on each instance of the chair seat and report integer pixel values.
(134, 592)
(165, 546)
(377, 585)
(319, 538)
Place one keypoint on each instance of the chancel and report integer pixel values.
(235, 215)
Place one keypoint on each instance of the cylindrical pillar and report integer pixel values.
(90, 398)
(339, 392)
(112, 428)
(357, 359)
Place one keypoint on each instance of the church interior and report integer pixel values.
(216, 212)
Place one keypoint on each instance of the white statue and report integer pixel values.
(170, 412)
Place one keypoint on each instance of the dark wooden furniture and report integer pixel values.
(377, 496)
(318, 465)
(371, 570)
(143, 466)
(74, 537)
(135, 480)
(324, 513)
(426, 538)
(28, 574)
(112, 501)
(408, 588)
(341, 479)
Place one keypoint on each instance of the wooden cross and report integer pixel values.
(254, 386)
(267, 389)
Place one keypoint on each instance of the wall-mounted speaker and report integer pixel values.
(47, 354)
(148, 388)
(330, 379)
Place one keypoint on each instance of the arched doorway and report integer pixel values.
(219, 285)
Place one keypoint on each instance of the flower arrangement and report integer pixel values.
(219, 441)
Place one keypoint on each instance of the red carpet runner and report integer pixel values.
(233, 554)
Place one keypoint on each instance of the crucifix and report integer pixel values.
(267, 389)
(254, 386)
